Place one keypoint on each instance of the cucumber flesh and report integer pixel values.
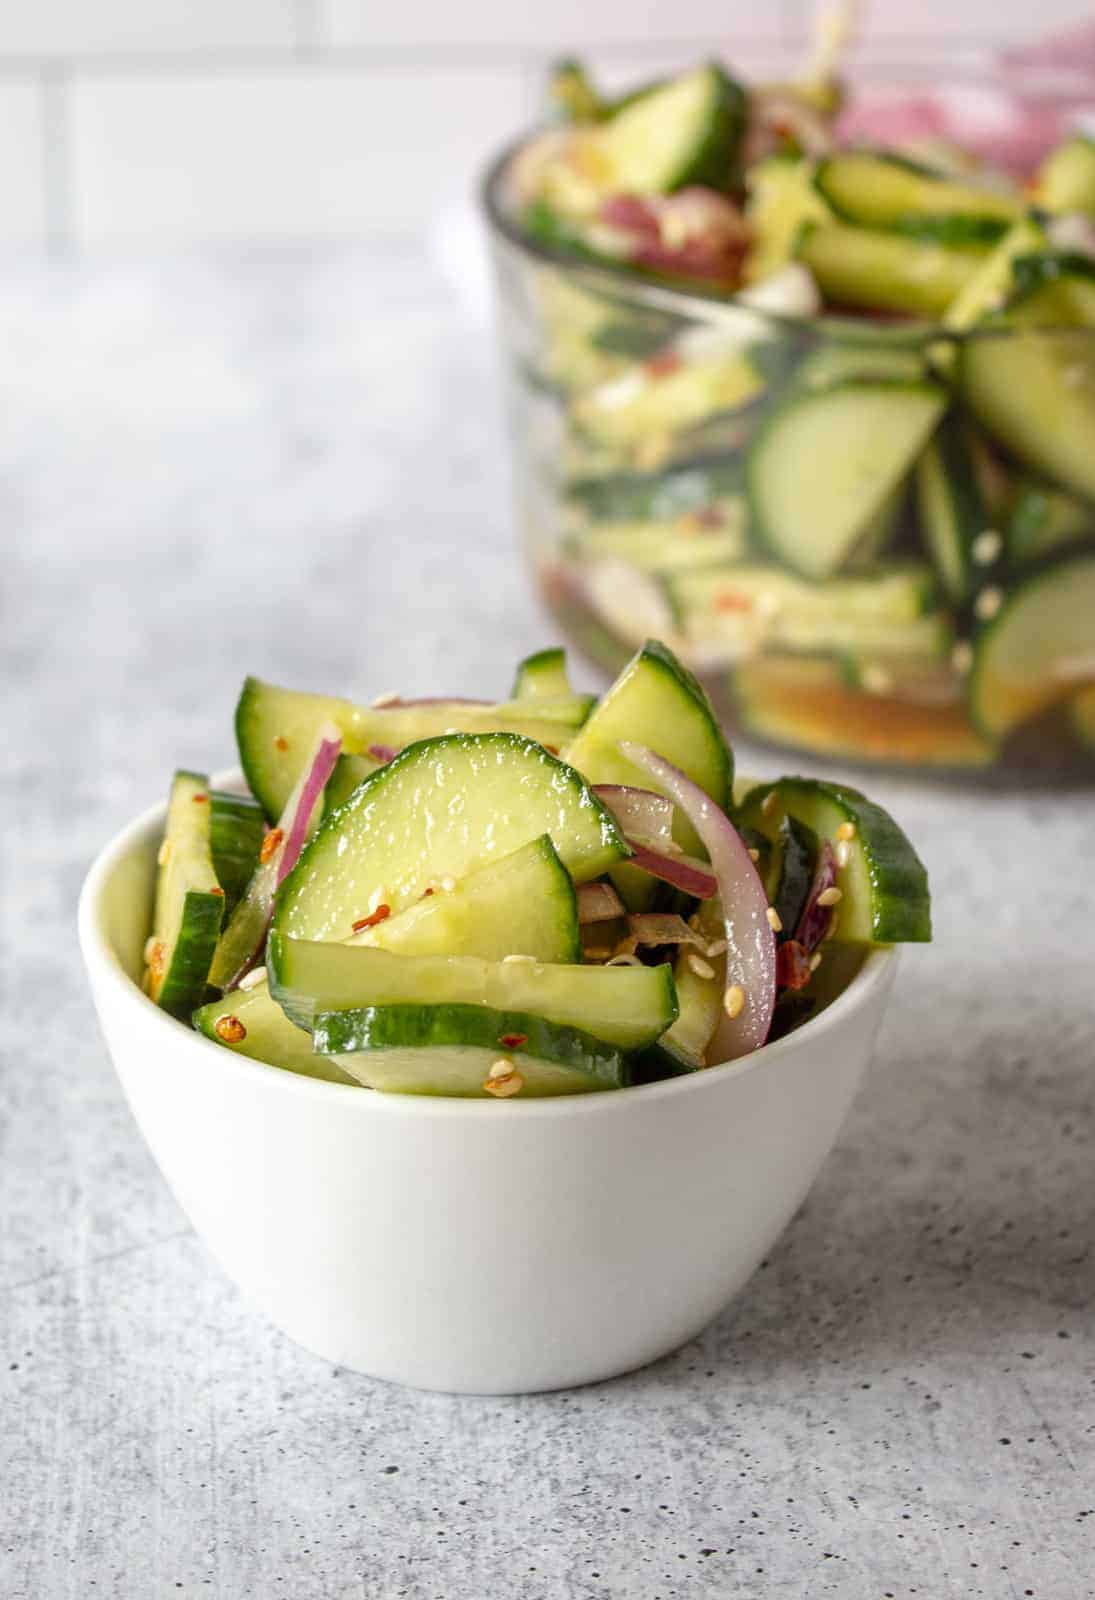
(189, 901)
(883, 884)
(276, 728)
(625, 413)
(441, 808)
(876, 271)
(826, 462)
(268, 1034)
(1066, 181)
(1040, 647)
(687, 541)
(782, 197)
(237, 826)
(1083, 717)
(886, 191)
(953, 514)
(625, 1006)
(635, 496)
(543, 676)
(988, 288)
(1044, 520)
(451, 1050)
(687, 131)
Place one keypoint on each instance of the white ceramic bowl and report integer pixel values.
(481, 1247)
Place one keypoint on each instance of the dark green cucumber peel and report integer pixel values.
(884, 886)
(514, 1035)
(186, 920)
(236, 829)
(790, 873)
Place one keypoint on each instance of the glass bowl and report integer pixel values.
(871, 539)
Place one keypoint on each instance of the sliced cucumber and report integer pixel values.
(805, 705)
(349, 772)
(683, 1047)
(624, 1006)
(886, 271)
(236, 827)
(1082, 710)
(835, 361)
(826, 462)
(657, 702)
(782, 197)
(543, 676)
(956, 522)
(1045, 520)
(189, 901)
(268, 1035)
(648, 400)
(523, 904)
(990, 285)
(686, 541)
(884, 887)
(452, 1049)
(1054, 288)
(439, 809)
(883, 190)
(1066, 181)
(275, 729)
(634, 496)
(789, 873)
(687, 131)
(1039, 648)
(1033, 389)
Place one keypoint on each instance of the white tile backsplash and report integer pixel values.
(319, 152)
(22, 164)
(74, 28)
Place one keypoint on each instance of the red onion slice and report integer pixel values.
(792, 965)
(598, 902)
(815, 920)
(750, 942)
(382, 752)
(641, 813)
(683, 872)
(306, 796)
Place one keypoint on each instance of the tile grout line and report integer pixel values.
(56, 160)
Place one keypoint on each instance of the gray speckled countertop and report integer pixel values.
(291, 465)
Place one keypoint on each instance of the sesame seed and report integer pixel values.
(719, 948)
(834, 924)
(281, 743)
(775, 921)
(843, 853)
(163, 855)
(624, 959)
(986, 547)
(733, 1001)
(506, 959)
(230, 1029)
(769, 803)
(500, 1068)
(503, 1088)
(846, 830)
(252, 979)
(988, 603)
(151, 945)
(754, 855)
(962, 656)
(815, 961)
(384, 700)
(702, 968)
(830, 896)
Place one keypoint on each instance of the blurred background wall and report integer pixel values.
(162, 122)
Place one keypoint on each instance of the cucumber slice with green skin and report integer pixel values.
(543, 676)
(687, 541)
(275, 729)
(782, 198)
(1066, 181)
(884, 887)
(790, 872)
(450, 1050)
(957, 527)
(882, 190)
(805, 705)
(1033, 388)
(1082, 711)
(625, 1006)
(990, 285)
(825, 463)
(571, 95)
(877, 271)
(268, 1035)
(189, 901)
(1039, 648)
(683, 1047)
(646, 401)
(349, 772)
(838, 361)
(635, 496)
(441, 808)
(523, 904)
(1044, 521)
(686, 131)
(236, 828)
(1054, 288)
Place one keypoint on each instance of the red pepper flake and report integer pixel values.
(270, 844)
(217, 891)
(427, 892)
(552, 749)
(199, 799)
(230, 1029)
(729, 601)
(710, 516)
(513, 1041)
(378, 915)
(792, 965)
(660, 366)
(281, 743)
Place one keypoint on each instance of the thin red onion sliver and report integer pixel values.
(382, 752)
(750, 942)
(683, 872)
(815, 920)
(598, 902)
(641, 813)
(313, 785)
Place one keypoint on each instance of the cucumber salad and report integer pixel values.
(821, 416)
(549, 895)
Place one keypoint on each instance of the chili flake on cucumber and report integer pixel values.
(775, 373)
(473, 913)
